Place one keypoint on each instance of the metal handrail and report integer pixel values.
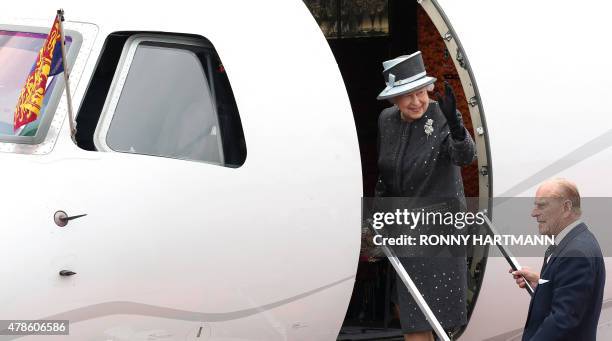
(413, 290)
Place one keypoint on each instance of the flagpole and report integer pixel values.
(60, 13)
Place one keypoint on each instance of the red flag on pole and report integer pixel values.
(32, 94)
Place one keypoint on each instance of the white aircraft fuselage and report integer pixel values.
(176, 249)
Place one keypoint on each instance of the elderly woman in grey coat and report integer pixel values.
(422, 145)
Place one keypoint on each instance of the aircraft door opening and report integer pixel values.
(361, 36)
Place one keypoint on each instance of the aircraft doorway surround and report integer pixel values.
(477, 258)
(360, 43)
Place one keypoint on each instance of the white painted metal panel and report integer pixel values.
(265, 251)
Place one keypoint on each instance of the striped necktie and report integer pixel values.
(548, 253)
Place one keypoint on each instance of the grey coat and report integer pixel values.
(414, 164)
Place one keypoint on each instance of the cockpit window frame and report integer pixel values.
(57, 91)
(83, 36)
(118, 83)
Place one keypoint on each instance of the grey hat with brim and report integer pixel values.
(404, 74)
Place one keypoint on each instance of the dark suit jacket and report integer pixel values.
(568, 306)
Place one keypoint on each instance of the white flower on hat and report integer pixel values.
(429, 127)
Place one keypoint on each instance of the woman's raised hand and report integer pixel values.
(448, 105)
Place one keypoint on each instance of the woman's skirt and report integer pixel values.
(442, 281)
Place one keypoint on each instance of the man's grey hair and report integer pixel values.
(568, 190)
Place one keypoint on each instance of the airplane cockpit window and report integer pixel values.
(169, 97)
(18, 54)
(166, 107)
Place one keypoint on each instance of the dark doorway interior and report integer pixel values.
(360, 61)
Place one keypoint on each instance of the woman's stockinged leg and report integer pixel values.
(419, 336)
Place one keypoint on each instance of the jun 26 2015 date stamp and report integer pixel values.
(34, 327)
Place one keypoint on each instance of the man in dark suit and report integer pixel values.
(569, 289)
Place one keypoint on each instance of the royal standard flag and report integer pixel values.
(32, 94)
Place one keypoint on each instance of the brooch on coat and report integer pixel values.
(429, 127)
